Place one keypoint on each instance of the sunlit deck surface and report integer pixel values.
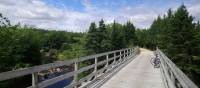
(139, 73)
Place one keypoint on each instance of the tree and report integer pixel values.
(4, 22)
(103, 38)
(178, 37)
(91, 42)
(182, 33)
(130, 36)
(117, 36)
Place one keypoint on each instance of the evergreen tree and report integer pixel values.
(117, 36)
(178, 37)
(103, 38)
(91, 43)
(4, 22)
(184, 45)
(182, 34)
(130, 37)
(114, 36)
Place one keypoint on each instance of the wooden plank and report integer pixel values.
(26, 71)
(97, 55)
(53, 80)
(101, 70)
(44, 84)
(34, 70)
(30, 70)
(105, 77)
(178, 74)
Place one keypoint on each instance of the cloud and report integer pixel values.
(36, 12)
(141, 16)
(195, 11)
(43, 15)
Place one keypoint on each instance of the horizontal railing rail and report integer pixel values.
(173, 77)
(122, 57)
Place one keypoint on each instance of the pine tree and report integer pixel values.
(91, 43)
(130, 36)
(178, 36)
(182, 34)
(103, 38)
(114, 36)
(117, 36)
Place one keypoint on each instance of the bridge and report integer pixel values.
(126, 68)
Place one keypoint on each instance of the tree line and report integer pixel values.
(177, 34)
(110, 37)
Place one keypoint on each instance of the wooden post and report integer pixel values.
(123, 56)
(35, 80)
(107, 60)
(114, 58)
(75, 73)
(131, 51)
(126, 52)
(120, 58)
(95, 68)
(172, 77)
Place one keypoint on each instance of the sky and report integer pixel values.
(76, 15)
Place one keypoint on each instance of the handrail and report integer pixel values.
(36, 69)
(173, 77)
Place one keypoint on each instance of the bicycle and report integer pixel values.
(155, 61)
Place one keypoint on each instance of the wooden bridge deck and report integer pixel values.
(139, 73)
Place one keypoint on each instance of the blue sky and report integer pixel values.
(113, 4)
(76, 15)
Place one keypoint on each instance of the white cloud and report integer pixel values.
(195, 11)
(38, 13)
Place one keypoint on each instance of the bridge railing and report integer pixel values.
(109, 62)
(173, 77)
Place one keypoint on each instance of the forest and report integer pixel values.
(176, 33)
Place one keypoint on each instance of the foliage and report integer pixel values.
(178, 36)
